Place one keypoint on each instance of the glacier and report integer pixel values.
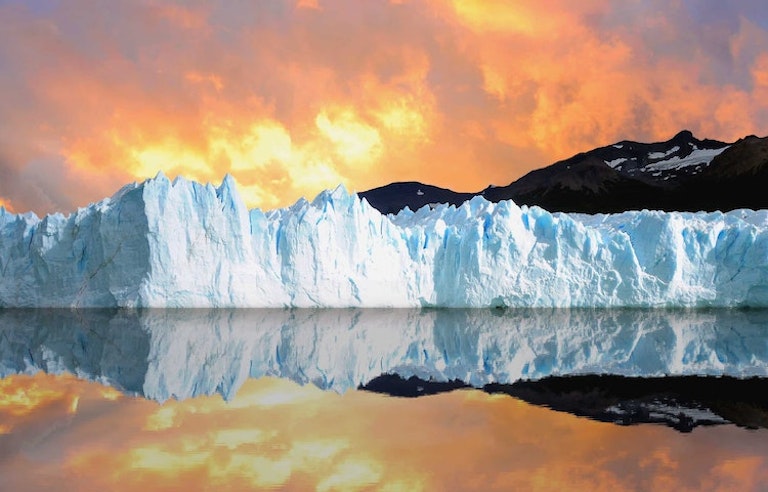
(163, 243)
(182, 353)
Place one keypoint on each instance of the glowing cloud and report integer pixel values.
(353, 140)
(6, 204)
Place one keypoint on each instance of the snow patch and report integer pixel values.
(616, 162)
(697, 157)
(661, 155)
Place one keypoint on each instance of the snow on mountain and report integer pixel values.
(697, 157)
(162, 354)
(662, 161)
(616, 162)
(184, 244)
(661, 155)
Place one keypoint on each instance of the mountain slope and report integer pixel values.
(680, 174)
(396, 196)
(581, 184)
(737, 178)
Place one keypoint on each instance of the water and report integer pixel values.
(293, 416)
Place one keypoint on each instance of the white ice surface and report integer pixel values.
(184, 244)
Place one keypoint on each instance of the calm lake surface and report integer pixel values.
(384, 399)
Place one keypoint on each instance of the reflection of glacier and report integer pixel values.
(182, 244)
(182, 353)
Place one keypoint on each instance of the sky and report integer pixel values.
(58, 432)
(295, 96)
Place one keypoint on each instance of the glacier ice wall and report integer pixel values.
(181, 353)
(178, 243)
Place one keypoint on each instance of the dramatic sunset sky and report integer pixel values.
(294, 96)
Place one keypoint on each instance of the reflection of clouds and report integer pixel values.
(734, 472)
(18, 398)
(463, 440)
(459, 93)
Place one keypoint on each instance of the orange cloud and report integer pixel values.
(308, 4)
(506, 18)
(295, 96)
(6, 204)
(276, 434)
(21, 396)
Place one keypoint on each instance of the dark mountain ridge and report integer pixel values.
(394, 197)
(681, 174)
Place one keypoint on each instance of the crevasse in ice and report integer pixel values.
(179, 243)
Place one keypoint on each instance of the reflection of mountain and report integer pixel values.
(181, 353)
(681, 402)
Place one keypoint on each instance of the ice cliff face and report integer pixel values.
(160, 354)
(183, 244)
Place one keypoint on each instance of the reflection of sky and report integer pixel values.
(64, 433)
